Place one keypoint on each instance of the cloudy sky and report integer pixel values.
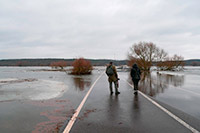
(97, 29)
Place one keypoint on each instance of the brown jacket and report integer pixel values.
(114, 77)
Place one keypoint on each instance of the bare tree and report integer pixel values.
(145, 54)
(173, 63)
(162, 56)
(178, 61)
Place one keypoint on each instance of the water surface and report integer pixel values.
(34, 99)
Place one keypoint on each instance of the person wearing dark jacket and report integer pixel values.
(112, 78)
(135, 75)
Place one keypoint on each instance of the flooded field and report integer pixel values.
(180, 90)
(35, 99)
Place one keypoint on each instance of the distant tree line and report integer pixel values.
(50, 62)
(192, 62)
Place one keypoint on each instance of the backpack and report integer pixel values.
(137, 75)
(109, 71)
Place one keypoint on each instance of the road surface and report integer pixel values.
(126, 112)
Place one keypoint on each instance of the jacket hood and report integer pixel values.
(135, 66)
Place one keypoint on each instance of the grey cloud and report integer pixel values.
(96, 29)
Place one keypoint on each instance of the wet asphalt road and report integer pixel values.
(125, 113)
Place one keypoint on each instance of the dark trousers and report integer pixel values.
(135, 83)
(116, 86)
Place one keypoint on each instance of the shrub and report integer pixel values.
(81, 66)
(58, 64)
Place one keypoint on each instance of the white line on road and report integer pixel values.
(75, 115)
(168, 112)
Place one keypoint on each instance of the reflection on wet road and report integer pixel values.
(113, 106)
(154, 83)
(177, 89)
(80, 82)
(123, 113)
(135, 103)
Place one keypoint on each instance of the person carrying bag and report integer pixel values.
(112, 78)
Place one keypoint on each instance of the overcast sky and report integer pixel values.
(97, 29)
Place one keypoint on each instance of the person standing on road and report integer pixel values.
(112, 78)
(135, 75)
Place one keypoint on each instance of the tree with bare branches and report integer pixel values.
(143, 53)
(58, 64)
(146, 54)
(172, 63)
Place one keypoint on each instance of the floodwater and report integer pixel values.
(180, 90)
(36, 99)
